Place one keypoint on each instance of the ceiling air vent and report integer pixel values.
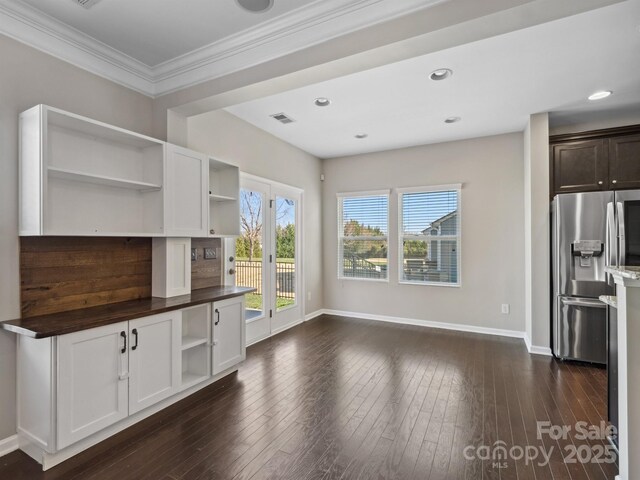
(86, 3)
(282, 118)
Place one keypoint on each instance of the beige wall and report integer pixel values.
(537, 232)
(491, 170)
(27, 78)
(226, 137)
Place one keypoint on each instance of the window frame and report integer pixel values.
(340, 257)
(428, 189)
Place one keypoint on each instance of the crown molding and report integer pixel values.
(296, 30)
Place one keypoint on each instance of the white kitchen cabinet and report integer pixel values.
(92, 381)
(187, 187)
(154, 359)
(224, 199)
(228, 334)
(82, 177)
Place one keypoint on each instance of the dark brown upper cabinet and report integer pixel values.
(624, 162)
(598, 160)
(580, 166)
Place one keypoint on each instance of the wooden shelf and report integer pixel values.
(77, 176)
(190, 342)
(221, 198)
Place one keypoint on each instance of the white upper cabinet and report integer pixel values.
(224, 199)
(83, 177)
(187, 190)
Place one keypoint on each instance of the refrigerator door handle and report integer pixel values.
(611, 243)
(576, 302)
(621, 243)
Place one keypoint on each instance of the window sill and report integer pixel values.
(430, 284)
(378, 280)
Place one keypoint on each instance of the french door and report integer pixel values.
(268, 256)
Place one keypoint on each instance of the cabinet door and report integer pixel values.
(187, 193)
(228, 334)
(154, 359)
(624, 162)
(580, 166)
(92, 381)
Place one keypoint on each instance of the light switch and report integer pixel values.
(194, 254)
(209, 253)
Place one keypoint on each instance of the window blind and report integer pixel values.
(363, 229)
(430, 237)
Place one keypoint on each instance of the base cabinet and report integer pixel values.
(92, 382)
(154, 359)
(228, 334)
(77, 389)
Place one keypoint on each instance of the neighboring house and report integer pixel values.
(442, 253)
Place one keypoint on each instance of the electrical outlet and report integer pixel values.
(505, 308)
(210, 253)
(194, 254)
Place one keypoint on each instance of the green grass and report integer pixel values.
(254, 302)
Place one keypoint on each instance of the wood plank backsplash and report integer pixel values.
(206, 273)
(67, 273)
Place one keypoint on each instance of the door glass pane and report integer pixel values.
(249, 251)
(285, 252)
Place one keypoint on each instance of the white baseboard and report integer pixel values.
(536, 350)
(8, 445)
(426, 323)
(312, 315)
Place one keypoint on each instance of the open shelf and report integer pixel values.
(221, 198)
(191, 379)
(190, 342)
(195, 365)
(78, 176)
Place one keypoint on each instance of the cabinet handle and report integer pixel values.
(135, 332)
(124, 347)
(600, 182)
(614, 181)
(218, 317)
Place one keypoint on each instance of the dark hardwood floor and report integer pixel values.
(345, 398)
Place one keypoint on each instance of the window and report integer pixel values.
(429, 245)
(363, 229)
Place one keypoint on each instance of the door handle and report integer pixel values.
(611, 243)
(217, 317)
(124, 347)
(621, 234)
(583, 303)
(135, 332)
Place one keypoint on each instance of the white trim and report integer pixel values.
(428, 323)
(430, 188)
(534, 349)
(366, 193)
(312, 315)
(8, 445)
(293, 31)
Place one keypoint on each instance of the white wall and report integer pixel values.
(27, 78)
(537, 232)
(491, 170)
(226, 137)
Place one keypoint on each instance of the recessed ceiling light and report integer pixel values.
(452, 120)
(322, 102)
(255, 6)
(441, 74)
(600, 95)
(361, 135)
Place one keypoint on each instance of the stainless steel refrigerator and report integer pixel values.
(589, 232)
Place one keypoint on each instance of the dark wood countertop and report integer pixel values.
(53, 324)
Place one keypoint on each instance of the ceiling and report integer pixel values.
(497, 83)
(161, 46)
(156, 31)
